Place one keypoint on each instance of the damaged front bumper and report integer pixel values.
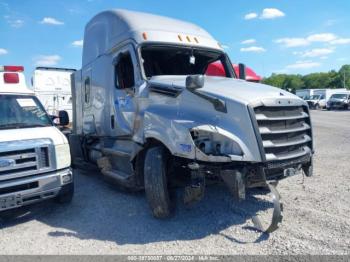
(240, 177)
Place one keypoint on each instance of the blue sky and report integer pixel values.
(299, 36)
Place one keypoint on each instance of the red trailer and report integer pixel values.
(216, 69)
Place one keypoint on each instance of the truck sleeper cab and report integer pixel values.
(149, 118)
(34, 154)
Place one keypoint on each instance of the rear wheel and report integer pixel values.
(156, 184)
(317, 107)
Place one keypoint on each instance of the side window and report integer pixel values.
(124, 72)
(87, 90)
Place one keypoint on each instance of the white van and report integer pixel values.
(52, 86)
(34, 155)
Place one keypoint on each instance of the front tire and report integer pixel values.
(156, 184)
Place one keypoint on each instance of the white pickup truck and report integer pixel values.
(34, 155)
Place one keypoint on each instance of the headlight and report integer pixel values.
(214, 143)
(63, 158)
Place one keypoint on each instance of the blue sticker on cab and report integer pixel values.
(186, 148)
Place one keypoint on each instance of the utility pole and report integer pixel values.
(344, 85)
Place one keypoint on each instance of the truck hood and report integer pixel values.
(229, 88)
(49, 132)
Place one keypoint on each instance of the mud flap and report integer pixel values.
(277, 212)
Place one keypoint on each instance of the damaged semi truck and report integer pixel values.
(146, 115)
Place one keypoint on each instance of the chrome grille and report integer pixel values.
(19, 163)
(285, 131)
(43, 157)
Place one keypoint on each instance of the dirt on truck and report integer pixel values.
(149, 118)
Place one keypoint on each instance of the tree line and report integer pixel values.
(292, 82)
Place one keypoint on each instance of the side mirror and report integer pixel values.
(63, 117)
(52, 117)
(194, 82)
(242, 71)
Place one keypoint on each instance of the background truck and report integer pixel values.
(52, 86)
(339, 100)
(34, 154)
(306, 93)
(149, 118)
(316, 101)
(318, 98)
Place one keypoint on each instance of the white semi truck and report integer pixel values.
(34, 155)
(149, 118)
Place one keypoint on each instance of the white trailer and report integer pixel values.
(306, 93)
(53, 88)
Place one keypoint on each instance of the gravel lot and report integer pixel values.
(103, 220)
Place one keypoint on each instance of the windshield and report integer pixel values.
(18, 111)
(339, 96)
(177, 60)
(314, 97)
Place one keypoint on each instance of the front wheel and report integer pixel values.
(317, 107)
(66, 194)
(156, 184)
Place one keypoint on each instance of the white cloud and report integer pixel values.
(331, 22)
(51, 21)
(292, 42)
(303, 65)
(325, 37)
(341, 41)
(250, 16)
(16, 23)
(3, 51)
(248, 42)
(267, 13)
(271, 13)
(317, 52)
(255, 49)
(47, 60)
(78, 43)
(321, 38)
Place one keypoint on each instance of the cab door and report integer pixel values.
(125, 86)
